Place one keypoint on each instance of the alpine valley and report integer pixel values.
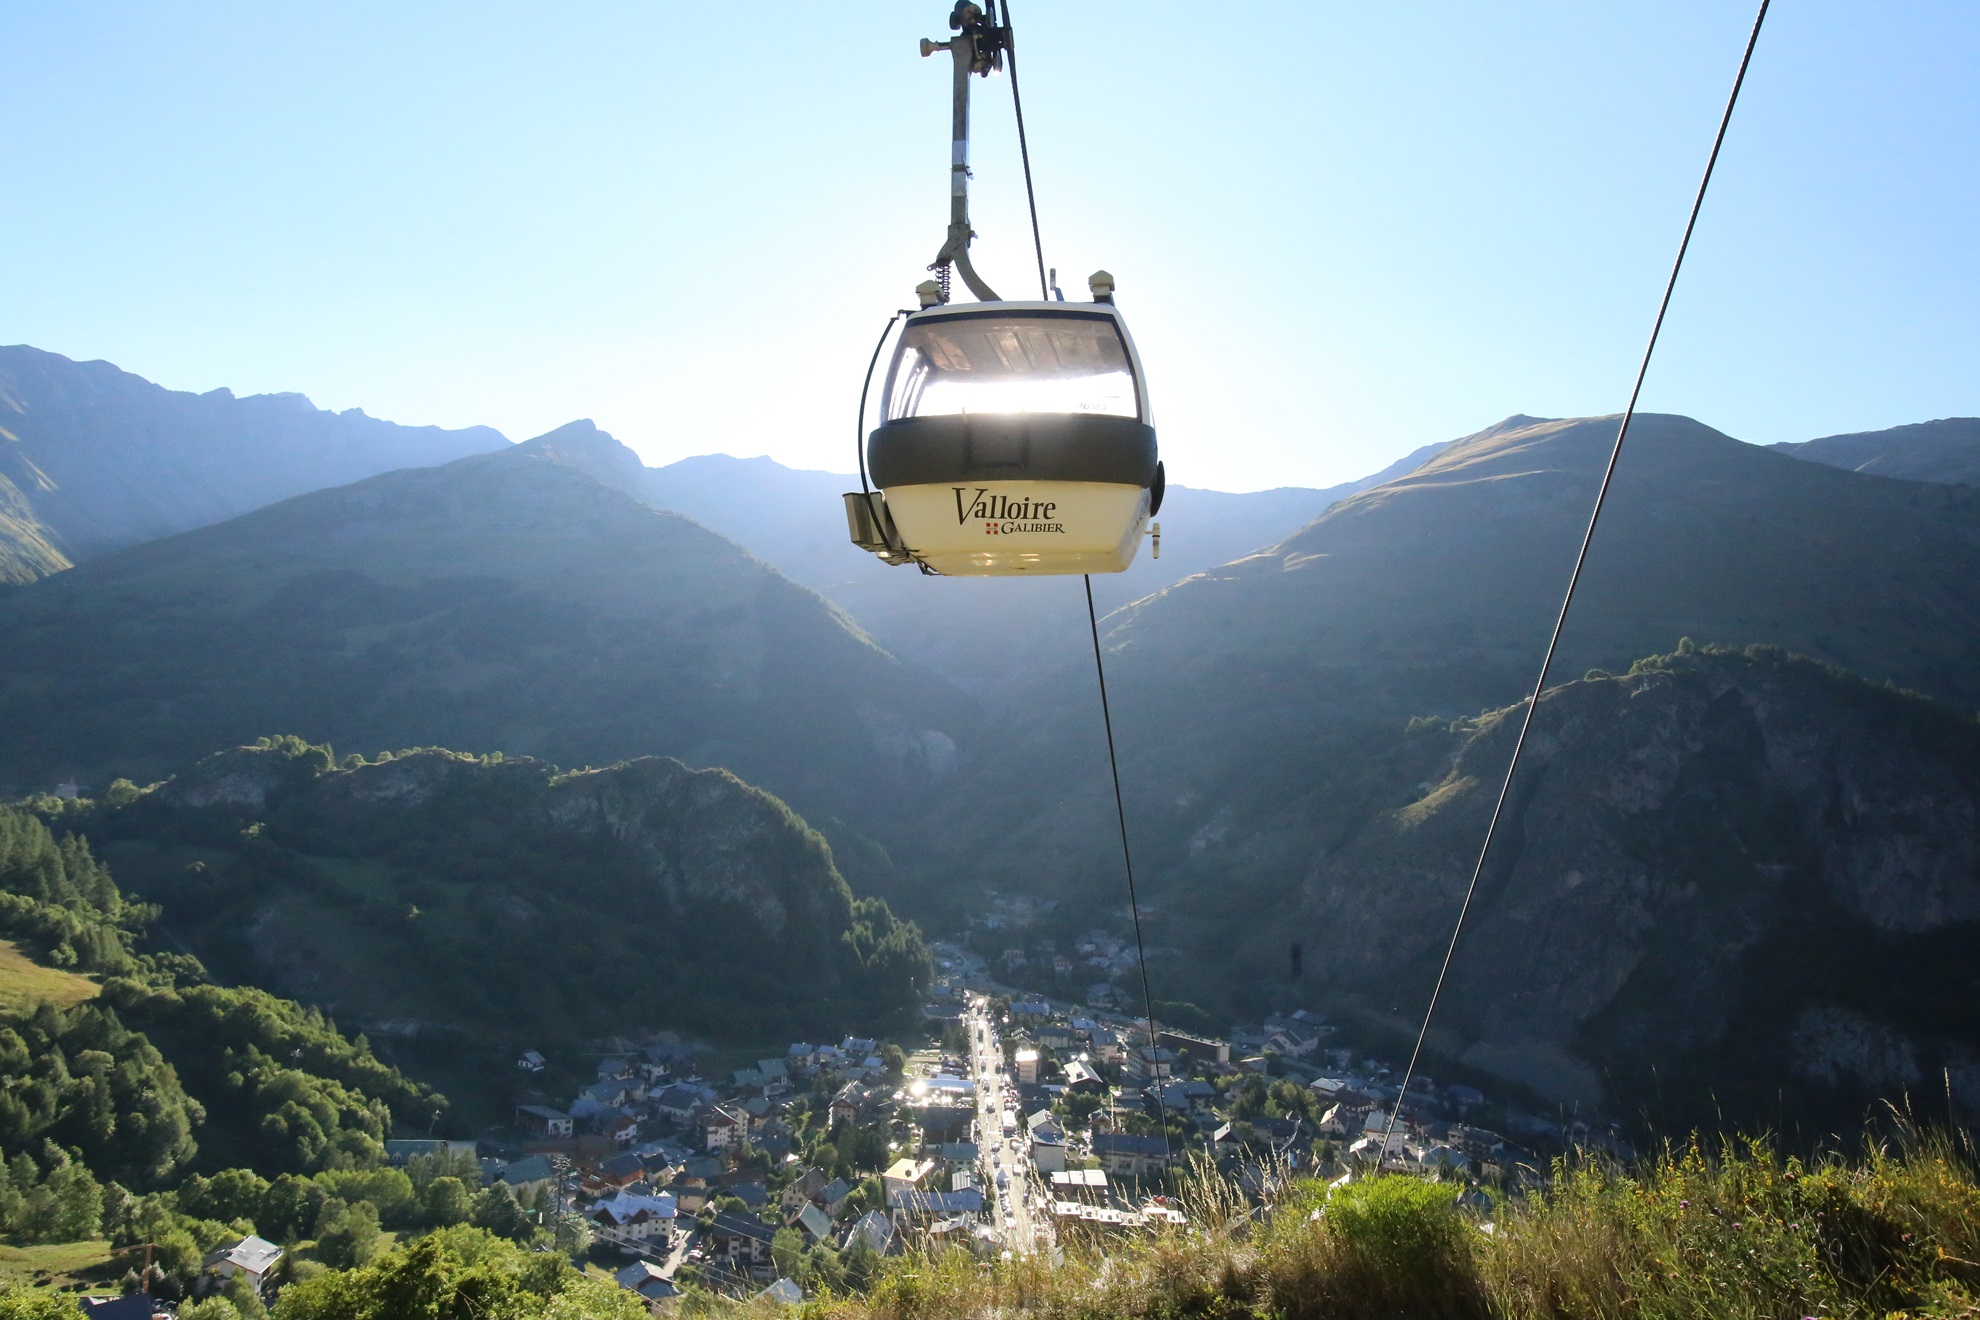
(684, 716)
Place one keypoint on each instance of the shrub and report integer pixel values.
(1388, 1246)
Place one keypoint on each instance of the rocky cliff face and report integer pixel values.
(1725, 869)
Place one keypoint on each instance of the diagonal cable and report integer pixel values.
(1024, 153)
(1574, 578)
(1127, 861)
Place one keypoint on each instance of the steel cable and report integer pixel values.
(1574, 579)
(1024, 154)
(1127, 861)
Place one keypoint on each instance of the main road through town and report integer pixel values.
(1023, 1213)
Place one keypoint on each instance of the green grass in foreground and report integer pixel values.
(25, 985)
(1739, 1234)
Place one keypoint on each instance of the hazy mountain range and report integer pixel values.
(93, 459)
(508, 601)
(1298, 689)
(985, 634)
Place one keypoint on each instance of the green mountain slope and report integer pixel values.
(1944, 450)
(26, 552)
(1281, 674)
(93, 458)
(455, 897)
(1436, 592)
(507, 601)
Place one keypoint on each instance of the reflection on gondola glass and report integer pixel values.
(1049, 362)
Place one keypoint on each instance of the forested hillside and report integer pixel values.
(483, 903)
(165, 1062)
(511, 903)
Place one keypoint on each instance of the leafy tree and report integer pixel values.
(460, 1164)
(862, 1147)
(446, 1201)
(390, 1191)
(893, 1058)
(118, 1206)
(594, 1299)
(227, 1195)
(62, 1204)
(867, 1195)
(497, 1211)
(291, 1207)
(347, 1236)
(209, 1308)
(861, 1265)
(67, 1207)
(459, 1274)
(823, 1270)
(572, 1234)
(24, 1305)
(787, 1252)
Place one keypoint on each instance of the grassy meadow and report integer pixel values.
(25, 985)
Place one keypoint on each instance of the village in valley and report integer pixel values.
(1015, 1122)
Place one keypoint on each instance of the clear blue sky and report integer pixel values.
(1340, 230)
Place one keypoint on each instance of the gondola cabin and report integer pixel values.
(1015, 440)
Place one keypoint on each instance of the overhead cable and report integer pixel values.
(1574, 578)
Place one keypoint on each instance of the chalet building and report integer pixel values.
(743, 1242)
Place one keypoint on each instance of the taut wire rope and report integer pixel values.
(1024, 154)
(1127, 860)
(1574, 579)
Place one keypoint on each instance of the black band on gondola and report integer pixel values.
(930, 451)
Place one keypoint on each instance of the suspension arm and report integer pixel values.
(974, 49)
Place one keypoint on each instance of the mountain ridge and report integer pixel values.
(1946, 450)
(794, 519)
(94, 458)
(506, 600)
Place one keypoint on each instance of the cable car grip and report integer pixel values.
(978, 47)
